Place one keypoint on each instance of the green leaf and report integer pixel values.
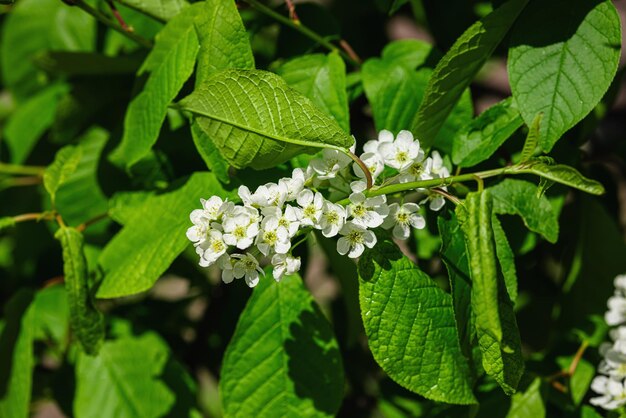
(588, 412)
(86, 321)
(411, 53)
(64, 165)
(456, 70)
(224, 42)
(283, 359)
(564, 174)
(454, 257)
(394, 91)
(410, 327)
(254, 118)
(321, 78)
(564, 69)
(506, 258)
(580, 381)
(52, 322)
(79, 197)
(16, 356)
(479, 139)
(126, 380)
(496, 327)
(532, 139)
(170, 64)
(209, 153)
(154, 235)
(31, 119)
(34, 26)
(158, 9)
(529, 403)
(6, 222)
(519, 197)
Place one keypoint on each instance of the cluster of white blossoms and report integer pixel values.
(610, 383)
(236, 237)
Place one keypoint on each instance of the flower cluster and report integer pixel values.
(236, 237)
(611, 381)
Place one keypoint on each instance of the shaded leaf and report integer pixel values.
(529, 403)
(169, 64)
(154, 235)
(31, 120)
(532, 139)
(496, 327)
(283, 359)
(456, 70)
(409, 322)
(564, 174)
(253, 117)
(478, 140)
(209, 153)
(64, 165)
(564, 69)
(506, 258)
(321, 78)
(86, 321)
(519, 197)
(6, 222)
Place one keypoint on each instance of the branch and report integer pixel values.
(301, 28)
(112, 24)
(21, 169)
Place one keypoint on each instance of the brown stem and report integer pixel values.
(119, 17)
(366, 171)
(577, 358)
(92, 221)
(447, 195)
(346, 47)
(292, 11)
(39, 216)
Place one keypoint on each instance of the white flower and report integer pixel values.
(613, 392)
(354, 240)
(284, 264)
(225, 263)
(213, 207)
(374, 145)
(436, 202)
(250, 199)
(201, 225)
(332, 220)
(437, 169)
(293, 185)
(272, 237)
(287, 218)
(401, 153)
(240, 230)
(402, 218)
(247, 266)
(617, 310)
(331, 162)
(614, 362)
(373, 162)
(367, 212)
(418, 170)
(312, 206)
(212, 248)
(620, 283)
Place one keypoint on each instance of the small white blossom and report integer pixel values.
(247, 266)
(287, 218)
(332, 220)
(240, 230)
(201, 226)
(213, 248)
(418, 170)
(612, 390)
(354, 240)
(373, 162)
(226, 263)
(367, 212)
(213, 207)
(272, 237)
(329, 165)
(374, 145)
(401, 218)
(400, 153)
(437, 169)
(617, 310)
(437, 202)
(311, 207)
(251, 199)
(293, 185)
(284, 264)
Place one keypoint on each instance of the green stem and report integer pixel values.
(112, 24)
(438, 182)
(301, 28)
(40, 216)
(21, 169)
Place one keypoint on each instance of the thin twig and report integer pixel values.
(346, 47)
(292, 11)
(26, 170)
(119, 17)
(366, 171)
(447, 195)
(112, 24)
(92, 221)
(38, 216)
(300, 28)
